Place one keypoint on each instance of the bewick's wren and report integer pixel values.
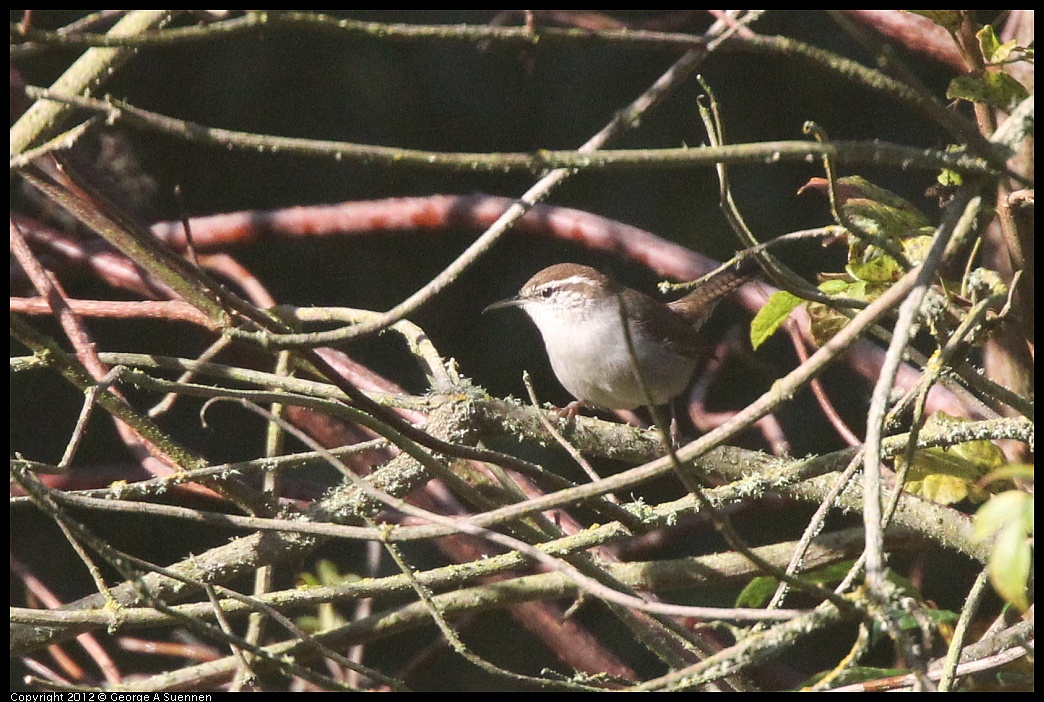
(579, 313)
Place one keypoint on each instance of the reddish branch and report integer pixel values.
(437, 214)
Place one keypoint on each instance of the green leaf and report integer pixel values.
(983, 455)
(1010, 472)
(771, 316)
(992, 50)
(325, 575)
(826, 322)
(994, 88)
(950, 474)
(859, 187)
(944, 489)
(998, 511)
(1009, 565)
(757, 592)
(1008, 518)
(950, 20)
(877, 210)
(836, 287)
(883, 219)
(908, 622)
(872, 211)
(988, 42)
(950, 178)
(916, 248)
(879, 269)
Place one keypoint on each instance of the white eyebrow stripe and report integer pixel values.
(573, 279)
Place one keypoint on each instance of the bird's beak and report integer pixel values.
(510, 302)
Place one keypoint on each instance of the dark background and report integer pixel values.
(456, 96)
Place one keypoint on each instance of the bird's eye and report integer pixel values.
(547, 292)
